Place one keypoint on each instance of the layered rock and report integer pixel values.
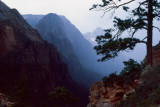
(156, 54)
(4, 101)
(23, 54)
(109, 96)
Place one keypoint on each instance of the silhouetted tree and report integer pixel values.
(62, 97)
(110, 44)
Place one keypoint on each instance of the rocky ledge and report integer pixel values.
(109, 96)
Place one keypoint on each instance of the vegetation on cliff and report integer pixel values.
(130, 73)
(62, 97)
(147, 92)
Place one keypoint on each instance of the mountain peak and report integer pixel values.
(52, 17)
(12, 16)
(3, 6)
(51, 14)
(91, 36)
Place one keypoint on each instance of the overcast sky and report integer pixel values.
(77, 11)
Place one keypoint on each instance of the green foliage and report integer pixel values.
(109, 81)
(109, 46)
(131, 66)
(130, 73)
(147, 93)
(139, 18)
(62, 96)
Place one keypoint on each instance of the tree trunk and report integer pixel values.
(149, 32)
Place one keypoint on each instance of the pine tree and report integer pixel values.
(141, 18)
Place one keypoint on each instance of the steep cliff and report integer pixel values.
(24, 55)
(52, 29)
(109, 96)
(156, 54)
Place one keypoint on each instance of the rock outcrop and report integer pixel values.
(109, 96)
(23, 54)
(156, 54)
(4, 101)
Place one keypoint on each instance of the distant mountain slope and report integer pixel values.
(52, 29)
(30, 68)
(32, 19)
(83, 49)
(86, 54)
(91, 36)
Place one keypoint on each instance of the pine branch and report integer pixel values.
(156, 28)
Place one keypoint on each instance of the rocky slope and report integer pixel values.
(102, 96)
(24, 55)
(4, 101)
(156, 55)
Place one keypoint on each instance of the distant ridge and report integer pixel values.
(84, 50)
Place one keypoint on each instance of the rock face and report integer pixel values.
(24, 54)
(109, 96)
(156, 54)
(4, 101)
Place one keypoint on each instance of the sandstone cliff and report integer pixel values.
(156, 55)
(4, 101)
(23, 54)
(109, 96)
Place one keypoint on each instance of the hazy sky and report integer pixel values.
(77, 11)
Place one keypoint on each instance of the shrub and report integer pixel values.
(147, 93)
(61, 96)
(130, 72)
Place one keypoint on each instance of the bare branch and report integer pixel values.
(134, 32)
(111, 6)
(144, 38)
(156, 28)
(142, 42)
(125, 3)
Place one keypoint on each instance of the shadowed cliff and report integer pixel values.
(29, 66)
